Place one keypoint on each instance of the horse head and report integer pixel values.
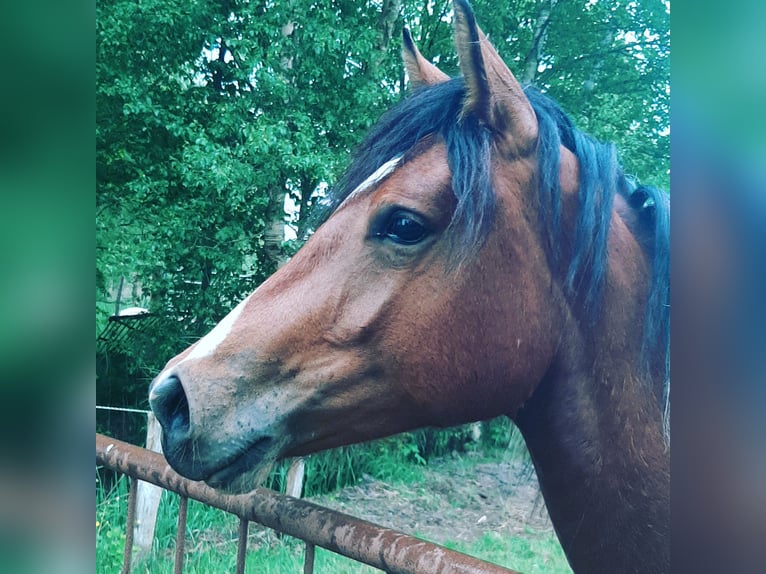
(464, 272)
(403, 309)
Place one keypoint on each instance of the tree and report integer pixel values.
(208, 114)
(606, 63)
(211, 112)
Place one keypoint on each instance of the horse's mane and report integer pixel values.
(437, 111)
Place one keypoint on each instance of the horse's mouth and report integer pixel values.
(241, 473)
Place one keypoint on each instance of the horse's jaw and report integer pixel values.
(248, 470)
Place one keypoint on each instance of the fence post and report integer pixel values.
(294, 482)
(148, 496)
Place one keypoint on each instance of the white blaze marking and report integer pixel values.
(208, 344)
(376, 177)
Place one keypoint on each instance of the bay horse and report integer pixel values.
(482, 257)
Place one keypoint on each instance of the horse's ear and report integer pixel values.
(420, 71)
(493, 93)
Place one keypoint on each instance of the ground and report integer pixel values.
(459, 499)
(486, 506)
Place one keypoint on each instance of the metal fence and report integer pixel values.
(359, 540)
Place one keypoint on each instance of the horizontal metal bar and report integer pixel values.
(363, 541)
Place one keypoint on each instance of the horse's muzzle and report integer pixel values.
(168, 401)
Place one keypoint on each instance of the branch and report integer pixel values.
(445, 7)
(389, 12)
(532, 59)
(615, 50)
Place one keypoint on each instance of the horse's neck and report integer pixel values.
(597, 445)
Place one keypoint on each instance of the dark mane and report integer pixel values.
(436, 111)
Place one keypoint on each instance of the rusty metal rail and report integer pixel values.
(363, 541)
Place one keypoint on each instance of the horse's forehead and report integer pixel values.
(405, 181)
(426, 172)
(376, 177)
(421, 184)
(433, 163)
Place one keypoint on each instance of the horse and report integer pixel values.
(481, 257)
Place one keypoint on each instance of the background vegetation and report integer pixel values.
(210, 113)
(213, 115)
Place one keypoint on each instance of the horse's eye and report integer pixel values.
(405, 227)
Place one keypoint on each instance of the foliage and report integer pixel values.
(111, 510)
(211, 113)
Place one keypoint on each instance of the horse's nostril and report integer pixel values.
(168, 401)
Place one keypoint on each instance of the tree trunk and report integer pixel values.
(308, 185)
(389, 12)
(274, 234)
(532, 59)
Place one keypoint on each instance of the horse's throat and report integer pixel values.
(603, 468)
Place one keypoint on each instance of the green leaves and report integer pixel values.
(209, 113)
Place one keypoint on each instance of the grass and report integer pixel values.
(535, 553)
(211, 544)
(211, 541)
(211, 534)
